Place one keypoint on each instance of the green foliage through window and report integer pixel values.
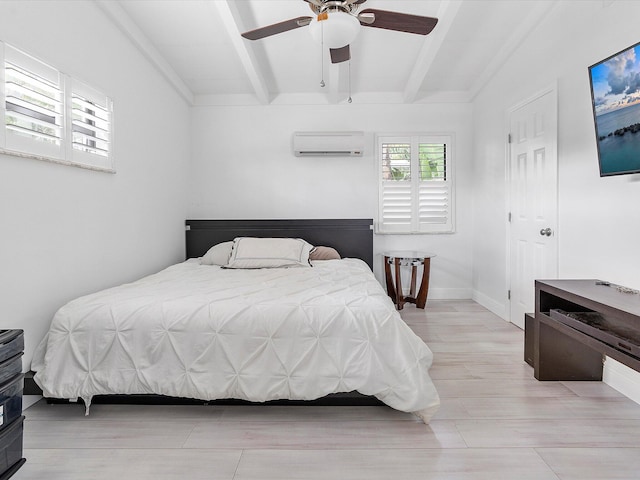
(396, 161)
(432, 158)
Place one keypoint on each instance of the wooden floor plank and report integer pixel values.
(496, 421)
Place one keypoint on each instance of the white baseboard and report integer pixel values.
(490, 304)
(449, 293)
(622, 378)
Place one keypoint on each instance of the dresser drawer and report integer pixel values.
(11, 343)
(11, 401)
(10, 369)
(11, 448)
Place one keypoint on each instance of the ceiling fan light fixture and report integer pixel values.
(338, 30)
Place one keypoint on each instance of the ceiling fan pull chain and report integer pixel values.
(349, 100)
(322, 84)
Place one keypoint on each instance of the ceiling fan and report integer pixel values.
(337, 22)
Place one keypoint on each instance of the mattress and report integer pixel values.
(205, 332)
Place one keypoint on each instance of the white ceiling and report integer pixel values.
(197, 45)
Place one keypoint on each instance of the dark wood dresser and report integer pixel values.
(576, 323)
(11, 386)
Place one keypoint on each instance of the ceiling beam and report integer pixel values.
(446, 16)
(334, 82)
(532, 20)
(232, 21)
(119, 17)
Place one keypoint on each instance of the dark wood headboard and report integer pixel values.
(350, 237)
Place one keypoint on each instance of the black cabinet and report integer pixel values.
(11, 386)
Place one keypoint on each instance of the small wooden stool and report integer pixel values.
(412, 259)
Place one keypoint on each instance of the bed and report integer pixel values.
(232, 331)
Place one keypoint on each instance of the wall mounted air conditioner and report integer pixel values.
(328, 144)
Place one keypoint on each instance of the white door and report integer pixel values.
(533, 182)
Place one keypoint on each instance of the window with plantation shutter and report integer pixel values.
(51, 116)
(34, 106)
(416, 184)
(90, 126)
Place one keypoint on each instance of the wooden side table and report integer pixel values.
(394, 288)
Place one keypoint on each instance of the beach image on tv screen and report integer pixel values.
(615, 84)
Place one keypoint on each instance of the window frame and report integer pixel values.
(414, 226)
(65, 151)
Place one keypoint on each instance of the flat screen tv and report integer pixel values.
(615, 96)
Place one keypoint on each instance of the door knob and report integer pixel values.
(546, 231)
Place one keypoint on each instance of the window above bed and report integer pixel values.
(415, 177)
(51, 116)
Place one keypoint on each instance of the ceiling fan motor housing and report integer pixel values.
(348, 6)
(338, 30)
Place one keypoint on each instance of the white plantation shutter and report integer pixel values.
(433, 208)
(396, 190)
(51, 116)
(396, 204)
(34, 105)
(434, 188)
(90, 126)
(416, 185)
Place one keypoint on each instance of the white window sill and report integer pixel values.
(59, 161)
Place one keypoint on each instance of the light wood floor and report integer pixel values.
(496, 422)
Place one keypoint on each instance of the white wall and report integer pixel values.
(66, 231)
(599, 223)
(244, 167)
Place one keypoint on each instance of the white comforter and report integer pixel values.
(199, 331)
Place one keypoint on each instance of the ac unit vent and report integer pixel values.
(328, 144)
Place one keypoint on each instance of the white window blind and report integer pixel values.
(416, 185)
(51, 116)
(34, 105)
(90, 126)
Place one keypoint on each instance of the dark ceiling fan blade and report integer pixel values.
(339, 55)
(400, 22)
(276, 28)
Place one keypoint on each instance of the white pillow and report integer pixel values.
(217, 255)
(251, 252)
